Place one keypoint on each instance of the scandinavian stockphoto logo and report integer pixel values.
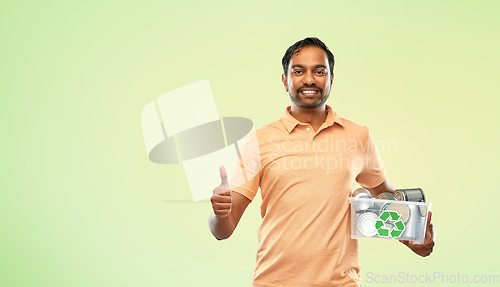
(183, 126)
(395, 229)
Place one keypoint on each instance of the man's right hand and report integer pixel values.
(222, 196)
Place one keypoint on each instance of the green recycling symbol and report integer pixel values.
(395, 232)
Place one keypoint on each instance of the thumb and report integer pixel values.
(223, 176)
(430, 227)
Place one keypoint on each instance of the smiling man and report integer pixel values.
(308, 162)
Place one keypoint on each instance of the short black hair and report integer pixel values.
(310, 41)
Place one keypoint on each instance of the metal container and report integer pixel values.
(366, 224)
(402, 209)
(386, 196)
(379, 204)
(414, 223)
(361, 191)
(410, 194)
(365, 194)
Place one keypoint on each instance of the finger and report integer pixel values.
(222, 212)
(221, 199)
(430, 229)
(430, 226)
(222, 209)
(425, 251)
(221, 190)
(226, 193)
(223, 176)
(429, 236)
(428, 240)
(221, 206)
(413, 244)
(429, 233)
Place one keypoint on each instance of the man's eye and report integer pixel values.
(297, 72)
(321, 72)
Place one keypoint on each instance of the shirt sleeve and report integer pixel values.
(373, 173)
(245, 175)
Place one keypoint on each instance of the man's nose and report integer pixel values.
(309, 79)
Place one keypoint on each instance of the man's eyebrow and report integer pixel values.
(316, 67)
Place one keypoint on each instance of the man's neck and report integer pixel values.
(315, 117)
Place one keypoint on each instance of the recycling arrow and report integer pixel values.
(394, 215)
(384, 215)
(398, 224)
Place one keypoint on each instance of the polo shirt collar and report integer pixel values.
(290, 122)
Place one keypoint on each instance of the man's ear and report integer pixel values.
(331, 80)
(283, 79)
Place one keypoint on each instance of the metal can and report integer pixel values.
(366, 224)
(361, 191)
(414, 223)
(364, 194)
(386, 196)
(381, 200)
(401, 208)
(410, 194)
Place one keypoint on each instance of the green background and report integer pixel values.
(81, 204)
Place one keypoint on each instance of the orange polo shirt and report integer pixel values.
(306, 177)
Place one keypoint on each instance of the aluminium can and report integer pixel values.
(366, 224)
(414, 223)
(386, 196)
(401, 208)
(381, 200)
(410, 194)
(362, 193)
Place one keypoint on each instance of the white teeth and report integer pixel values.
(308, 92)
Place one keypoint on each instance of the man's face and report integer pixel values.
(309, 79)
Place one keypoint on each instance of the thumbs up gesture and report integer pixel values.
(222, 196)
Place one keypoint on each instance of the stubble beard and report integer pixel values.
(298, 101)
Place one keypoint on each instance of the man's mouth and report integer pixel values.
(309, 92)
